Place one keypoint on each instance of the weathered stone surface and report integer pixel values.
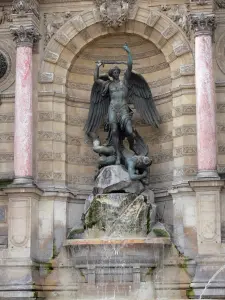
(118, 215)
(116, 179)
(159, 230)
(149, 194)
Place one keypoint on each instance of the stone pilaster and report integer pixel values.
(203, 26)
(210, 256)
(23, 243)
(208, 215)
(185, 220)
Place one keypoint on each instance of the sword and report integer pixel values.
(113, 62)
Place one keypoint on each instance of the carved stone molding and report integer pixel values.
(50, 176)
(114, 12)
(53, 21)
(185, 171)
(50, 116)
(220, 3)
(178, 14)
(6, 157)
(162, 157)
(22, 7)
(46, 156)
(203, 24)
(186, 109)
(51, 136)
(158, 139)
(5, 15)
(158, 178)
(200, 2)
(181, 151)
(185, 130)
(7, 118)
(25, 37)
(79, 179)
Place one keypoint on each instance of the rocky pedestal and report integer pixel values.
(118, 215)
(119, 207)
(113, 179)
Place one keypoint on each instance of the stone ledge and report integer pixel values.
(122, 241)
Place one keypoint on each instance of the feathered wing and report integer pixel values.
(99, 103)
(140, 95)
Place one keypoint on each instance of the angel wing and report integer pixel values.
(99, 103)
(140, 95)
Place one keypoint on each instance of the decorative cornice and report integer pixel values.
(22, 7)
(203, 24)
(25, 37)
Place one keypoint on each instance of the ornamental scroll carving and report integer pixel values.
(53, 21)
(180, 15)
(114, 12)
(220, 3)
(5, 15)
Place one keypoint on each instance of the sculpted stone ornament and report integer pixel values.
(220, 3)
(53, 21)
(5, 15)
(3, 65)
(180, 15)
(25, 37)
(109, 100)
(114, 12)
(203, 24)
(21, 7)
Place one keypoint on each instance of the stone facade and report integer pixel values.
(48, 50)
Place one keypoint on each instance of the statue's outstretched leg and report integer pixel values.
(130, 134)
(115, 140)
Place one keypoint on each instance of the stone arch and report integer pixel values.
(63, 49)
(73, 36)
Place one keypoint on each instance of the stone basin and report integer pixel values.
(128, 252)
(109, 268)
(119, 241)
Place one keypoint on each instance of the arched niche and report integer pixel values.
(66, 79)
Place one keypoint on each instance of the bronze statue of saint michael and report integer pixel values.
(110, 98)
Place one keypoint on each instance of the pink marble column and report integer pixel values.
(205, 96)
(23, 132)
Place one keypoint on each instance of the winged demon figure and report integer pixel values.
(110, 98)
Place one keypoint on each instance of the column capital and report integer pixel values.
(22, 7)
(25, 36)
(203, 24)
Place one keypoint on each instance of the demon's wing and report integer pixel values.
(99, 104)
(140, 95)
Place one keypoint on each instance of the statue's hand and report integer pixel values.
(144, 174)
(99, 63)
(126, 48)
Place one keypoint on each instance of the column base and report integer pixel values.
(207, 174)
(23, 181)
(209, 279)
